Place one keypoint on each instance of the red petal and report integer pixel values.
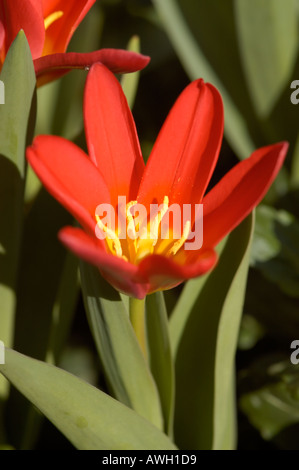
(26, 15)
(165, 273)
(154, 272)
(111, 134)
(239, 191)
(51, 67)
(59, 33)
(118, 272)
(185, 153)
(69, 175)
(2, 30)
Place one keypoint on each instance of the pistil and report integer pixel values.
(52, 18)
(142, 237)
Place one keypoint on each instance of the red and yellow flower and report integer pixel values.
(178, 172)
(49, 26)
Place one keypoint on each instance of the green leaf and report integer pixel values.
(89, 418)
(273, 406)
(40, 300)
(64, 308)
(251, 331)
(196, 65)
(125, 367)
(40, 271)
(205, 338)
(17, 122)
(268, 38)
(276, 248)
(185, 304)
(161, 361)
(19, 80)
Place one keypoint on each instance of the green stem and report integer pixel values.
(137, 317)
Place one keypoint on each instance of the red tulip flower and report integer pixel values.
(177, 173)
(49, 26)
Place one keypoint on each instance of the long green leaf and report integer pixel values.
(227, 338)
(16, 123)
(89, 418)
(205, 342)
(40, 270)
(124, 364)
(196, 65)
(161, 361)
(268, 38)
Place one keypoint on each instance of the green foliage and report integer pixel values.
(17, 122)
(204, 331)
(88, 417)
(127, 372)
(190, 387)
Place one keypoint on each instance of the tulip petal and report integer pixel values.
(51, 67)
(2, 38)
(239, 191)
(26, 15)
(120, 273)
(69, 175)
(111, 134)
(60, 31)
(155, 272)
(185, 153)
(164, 273)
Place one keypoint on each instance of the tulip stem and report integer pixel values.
(137, 317)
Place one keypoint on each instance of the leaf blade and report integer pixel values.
(17, 121)
(160, 355)
(204, 373)
(126, 370)
(268, 38)
(196, 66)
(96, 423)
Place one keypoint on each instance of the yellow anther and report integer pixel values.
(179, 243)
(111, 236)
(52, 18)
(155, 223)
(131, 229)
(143, 236)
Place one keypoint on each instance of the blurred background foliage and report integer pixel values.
(249, 50)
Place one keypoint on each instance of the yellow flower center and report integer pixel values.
(52, 18)
(143, 236)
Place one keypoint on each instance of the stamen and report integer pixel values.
(155, 224)
(52, 18)
(111, 235)
(131, 231)
(179, 243)
(143, 236)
